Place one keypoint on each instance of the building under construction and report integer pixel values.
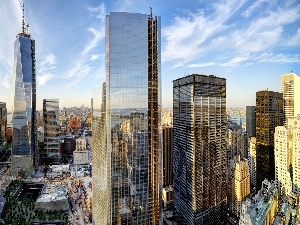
(199, 120)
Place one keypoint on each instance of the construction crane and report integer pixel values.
(25, 25)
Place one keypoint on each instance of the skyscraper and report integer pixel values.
(200, 164)
(126, 160)
(24, 104)
(269, 114)
(290, 87)
(287, 157)
(51, 152)
(3, 123)
(250, 121)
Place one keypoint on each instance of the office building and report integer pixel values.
(238, 184)
(81, 153)
(126, 162)
(252, 160)
(167, 155)
(24, 105)
(67, 146)
(51, 151)
(250, 121)
(3, 124)
(200, 164)
(290, 87)
(237, 144)
(287, 159)
(269, 114)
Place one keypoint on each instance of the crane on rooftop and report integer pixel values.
(25, 25)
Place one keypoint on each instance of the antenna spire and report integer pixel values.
(23, 19)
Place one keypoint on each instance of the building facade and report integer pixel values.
(250, 121)
(167, 155)
(200, 164)
(237, 144)
(24, 105)
(81, 153)
(269, 114)
(290, 87)
(252, 160)
(128, 155)
(3, 124)
(51, 151)
(287, 145)
(239, 184)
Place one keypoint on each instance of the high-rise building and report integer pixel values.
(290, 87)
(3, 124)
(51, 151)
(239, 184)
(269, 114)
(24, 105)
(237, 144)
(167, 155)
(126, 162)
(252, 160)
(250, 121)
(200, 164)
(287, 159)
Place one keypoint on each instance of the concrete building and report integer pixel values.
(250, 121)
(50, 153)
(126, 125)
(290, 87)
(269, 114)
(262, 208)
(237, 144)
(3, 124)
(252, 160)
(81, 154)
(238, 184)
(287, 159)
(200, 160)
(24, 104)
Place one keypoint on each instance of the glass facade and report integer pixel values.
(23, 138)
(51, 152)
(127, 186)
(199, 148)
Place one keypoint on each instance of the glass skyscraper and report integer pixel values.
(199, 149)
(127, 148)
(51, 151)
(24, 100)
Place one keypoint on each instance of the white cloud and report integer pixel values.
(47, 69)
(295, 40)
(201, 65)
(250, 9)
(94, 57)
(98, 35)
(99, 11)
(269, 57)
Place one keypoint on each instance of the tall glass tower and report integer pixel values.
(199, 149)
(126, 160)
(24, 105)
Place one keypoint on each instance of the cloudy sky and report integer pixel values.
(250, 43)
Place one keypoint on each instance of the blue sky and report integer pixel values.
(250, 43)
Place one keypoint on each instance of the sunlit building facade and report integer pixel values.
(269, 114)
(126, 129)
(51, 151)
(24, 105)
(199, 143)
(290, 87)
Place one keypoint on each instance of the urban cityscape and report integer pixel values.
(202, 147)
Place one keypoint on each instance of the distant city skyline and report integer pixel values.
(250, 43)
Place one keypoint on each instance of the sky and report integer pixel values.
(250, 43)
